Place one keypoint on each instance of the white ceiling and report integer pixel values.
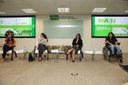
(13, 7)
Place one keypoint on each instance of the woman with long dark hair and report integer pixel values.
(76, 45)
(42, 45)
(111, 43)
(9, 43)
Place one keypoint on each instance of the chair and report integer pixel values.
(11, 52)
(108, 54)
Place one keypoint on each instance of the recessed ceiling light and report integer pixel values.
(66, 26)
(29, 10)
(2, 12)
(63, 10)
(99, 9)
(126, 11)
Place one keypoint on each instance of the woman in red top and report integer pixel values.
(9, 44)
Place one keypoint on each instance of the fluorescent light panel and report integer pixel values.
(126, 11)
(99, 9)
(2, 12)
(62, 10)
(29, 10)
(66, 26)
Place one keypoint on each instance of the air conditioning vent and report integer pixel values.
(2, 1)
(125, 0)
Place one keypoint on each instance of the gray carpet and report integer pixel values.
(58, 72)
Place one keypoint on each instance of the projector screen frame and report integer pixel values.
(21, 17)
(105, 16)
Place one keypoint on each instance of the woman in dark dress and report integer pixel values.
(76, 45)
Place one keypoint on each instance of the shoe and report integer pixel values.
(73, 60)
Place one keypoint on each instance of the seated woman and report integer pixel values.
(42, 45)
(9, 44)
(111, 43)
(76, 45)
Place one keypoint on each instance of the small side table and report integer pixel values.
(93, 53)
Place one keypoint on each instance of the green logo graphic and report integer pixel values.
(106, 20)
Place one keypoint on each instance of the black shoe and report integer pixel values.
(73, 60)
